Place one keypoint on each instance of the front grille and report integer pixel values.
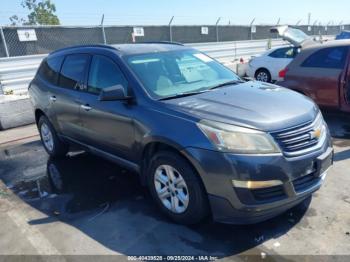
(301, 138)
(305, 182)
(268, 194)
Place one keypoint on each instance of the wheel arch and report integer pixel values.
(38, 113)
(260, 69)
(158, 144)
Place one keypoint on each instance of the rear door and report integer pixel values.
(66, 97)
(107, 125)
(320, 75)
(46, 86)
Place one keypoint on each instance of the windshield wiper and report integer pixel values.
(233, 82)
(182, 95)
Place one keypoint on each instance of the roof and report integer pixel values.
(331, 43)
(129, 49)
(143, 48)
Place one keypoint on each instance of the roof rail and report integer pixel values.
(160, 42)
(80, 46)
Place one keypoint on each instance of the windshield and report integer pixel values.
(168, 74)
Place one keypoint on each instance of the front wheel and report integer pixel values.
(177, 189)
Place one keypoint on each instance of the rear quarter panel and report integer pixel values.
(39, 96)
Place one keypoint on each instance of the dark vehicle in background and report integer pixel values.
(321, 71)
(343, 35)
(201, 139)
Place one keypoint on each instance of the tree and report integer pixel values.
(15, 20)
(41, 12)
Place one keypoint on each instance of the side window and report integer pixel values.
(287, 52)
(333, 57)
(50, 68)
(73, 70)
(104, 73)
(292, 52)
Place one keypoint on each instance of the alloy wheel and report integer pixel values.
(47, 137)
(171, 189)
(262, 77)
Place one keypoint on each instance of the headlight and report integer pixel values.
(320, 127)
(235, 139)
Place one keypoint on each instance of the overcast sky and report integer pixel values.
(123, 12)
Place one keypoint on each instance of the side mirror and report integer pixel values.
(113, 93)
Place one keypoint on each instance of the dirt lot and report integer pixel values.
(84, 205)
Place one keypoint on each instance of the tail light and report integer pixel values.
(283, 72)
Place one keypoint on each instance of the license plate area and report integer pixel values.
(313, 171)
(324, 162)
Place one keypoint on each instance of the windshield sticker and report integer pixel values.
(203, 57)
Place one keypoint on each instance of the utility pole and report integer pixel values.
(4, 41)
(278, 21)
(170, 29)
(217, 29)
(313, 27)
(326, 27)
(251, 29)
(103, 29)
(340, 26)
(309, 22)
(277, 24)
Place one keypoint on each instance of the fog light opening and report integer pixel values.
(256, 184)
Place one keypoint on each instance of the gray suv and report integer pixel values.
(203, 141)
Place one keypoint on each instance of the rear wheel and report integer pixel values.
(176, 188)
(52, 144)
(263, 75)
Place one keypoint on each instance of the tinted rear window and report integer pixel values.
(73, 70)
(333, 57)
(50, 68)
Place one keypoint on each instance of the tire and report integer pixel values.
(196, 208)
(52, 144)
(263, 75)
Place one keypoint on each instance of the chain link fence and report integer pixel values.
(49, 38)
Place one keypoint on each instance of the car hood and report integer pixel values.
(252, 104)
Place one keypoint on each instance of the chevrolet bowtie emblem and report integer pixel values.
(315, 133)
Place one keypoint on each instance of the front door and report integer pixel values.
(106, 125)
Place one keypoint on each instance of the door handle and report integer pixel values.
(86, 107)
(53, 98)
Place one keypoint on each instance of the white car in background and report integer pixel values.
(266, 67)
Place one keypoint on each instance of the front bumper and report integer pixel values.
(246, 206)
